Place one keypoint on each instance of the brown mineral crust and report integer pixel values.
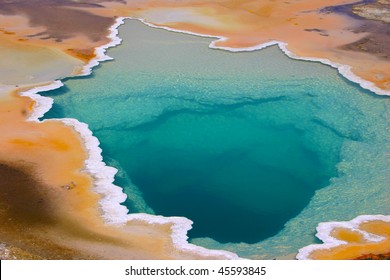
(9, 252)
(376, 26)
(61, 21)
(374, 257)
(374, 44)
(379, 10)
(25, 206)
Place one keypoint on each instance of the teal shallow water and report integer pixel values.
(255, 148)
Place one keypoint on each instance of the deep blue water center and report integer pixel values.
(230, 174)
(239, 143)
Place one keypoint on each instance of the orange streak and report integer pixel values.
(356, 245)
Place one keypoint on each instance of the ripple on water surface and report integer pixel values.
(255, 148)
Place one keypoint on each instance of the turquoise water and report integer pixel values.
(255, 148)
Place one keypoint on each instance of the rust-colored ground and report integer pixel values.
(374, 257)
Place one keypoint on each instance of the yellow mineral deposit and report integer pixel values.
(356, 245)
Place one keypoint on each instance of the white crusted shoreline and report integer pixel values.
(344, 70)
(42, 103)
(112, 196)
(324, 231)
(100, 52)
